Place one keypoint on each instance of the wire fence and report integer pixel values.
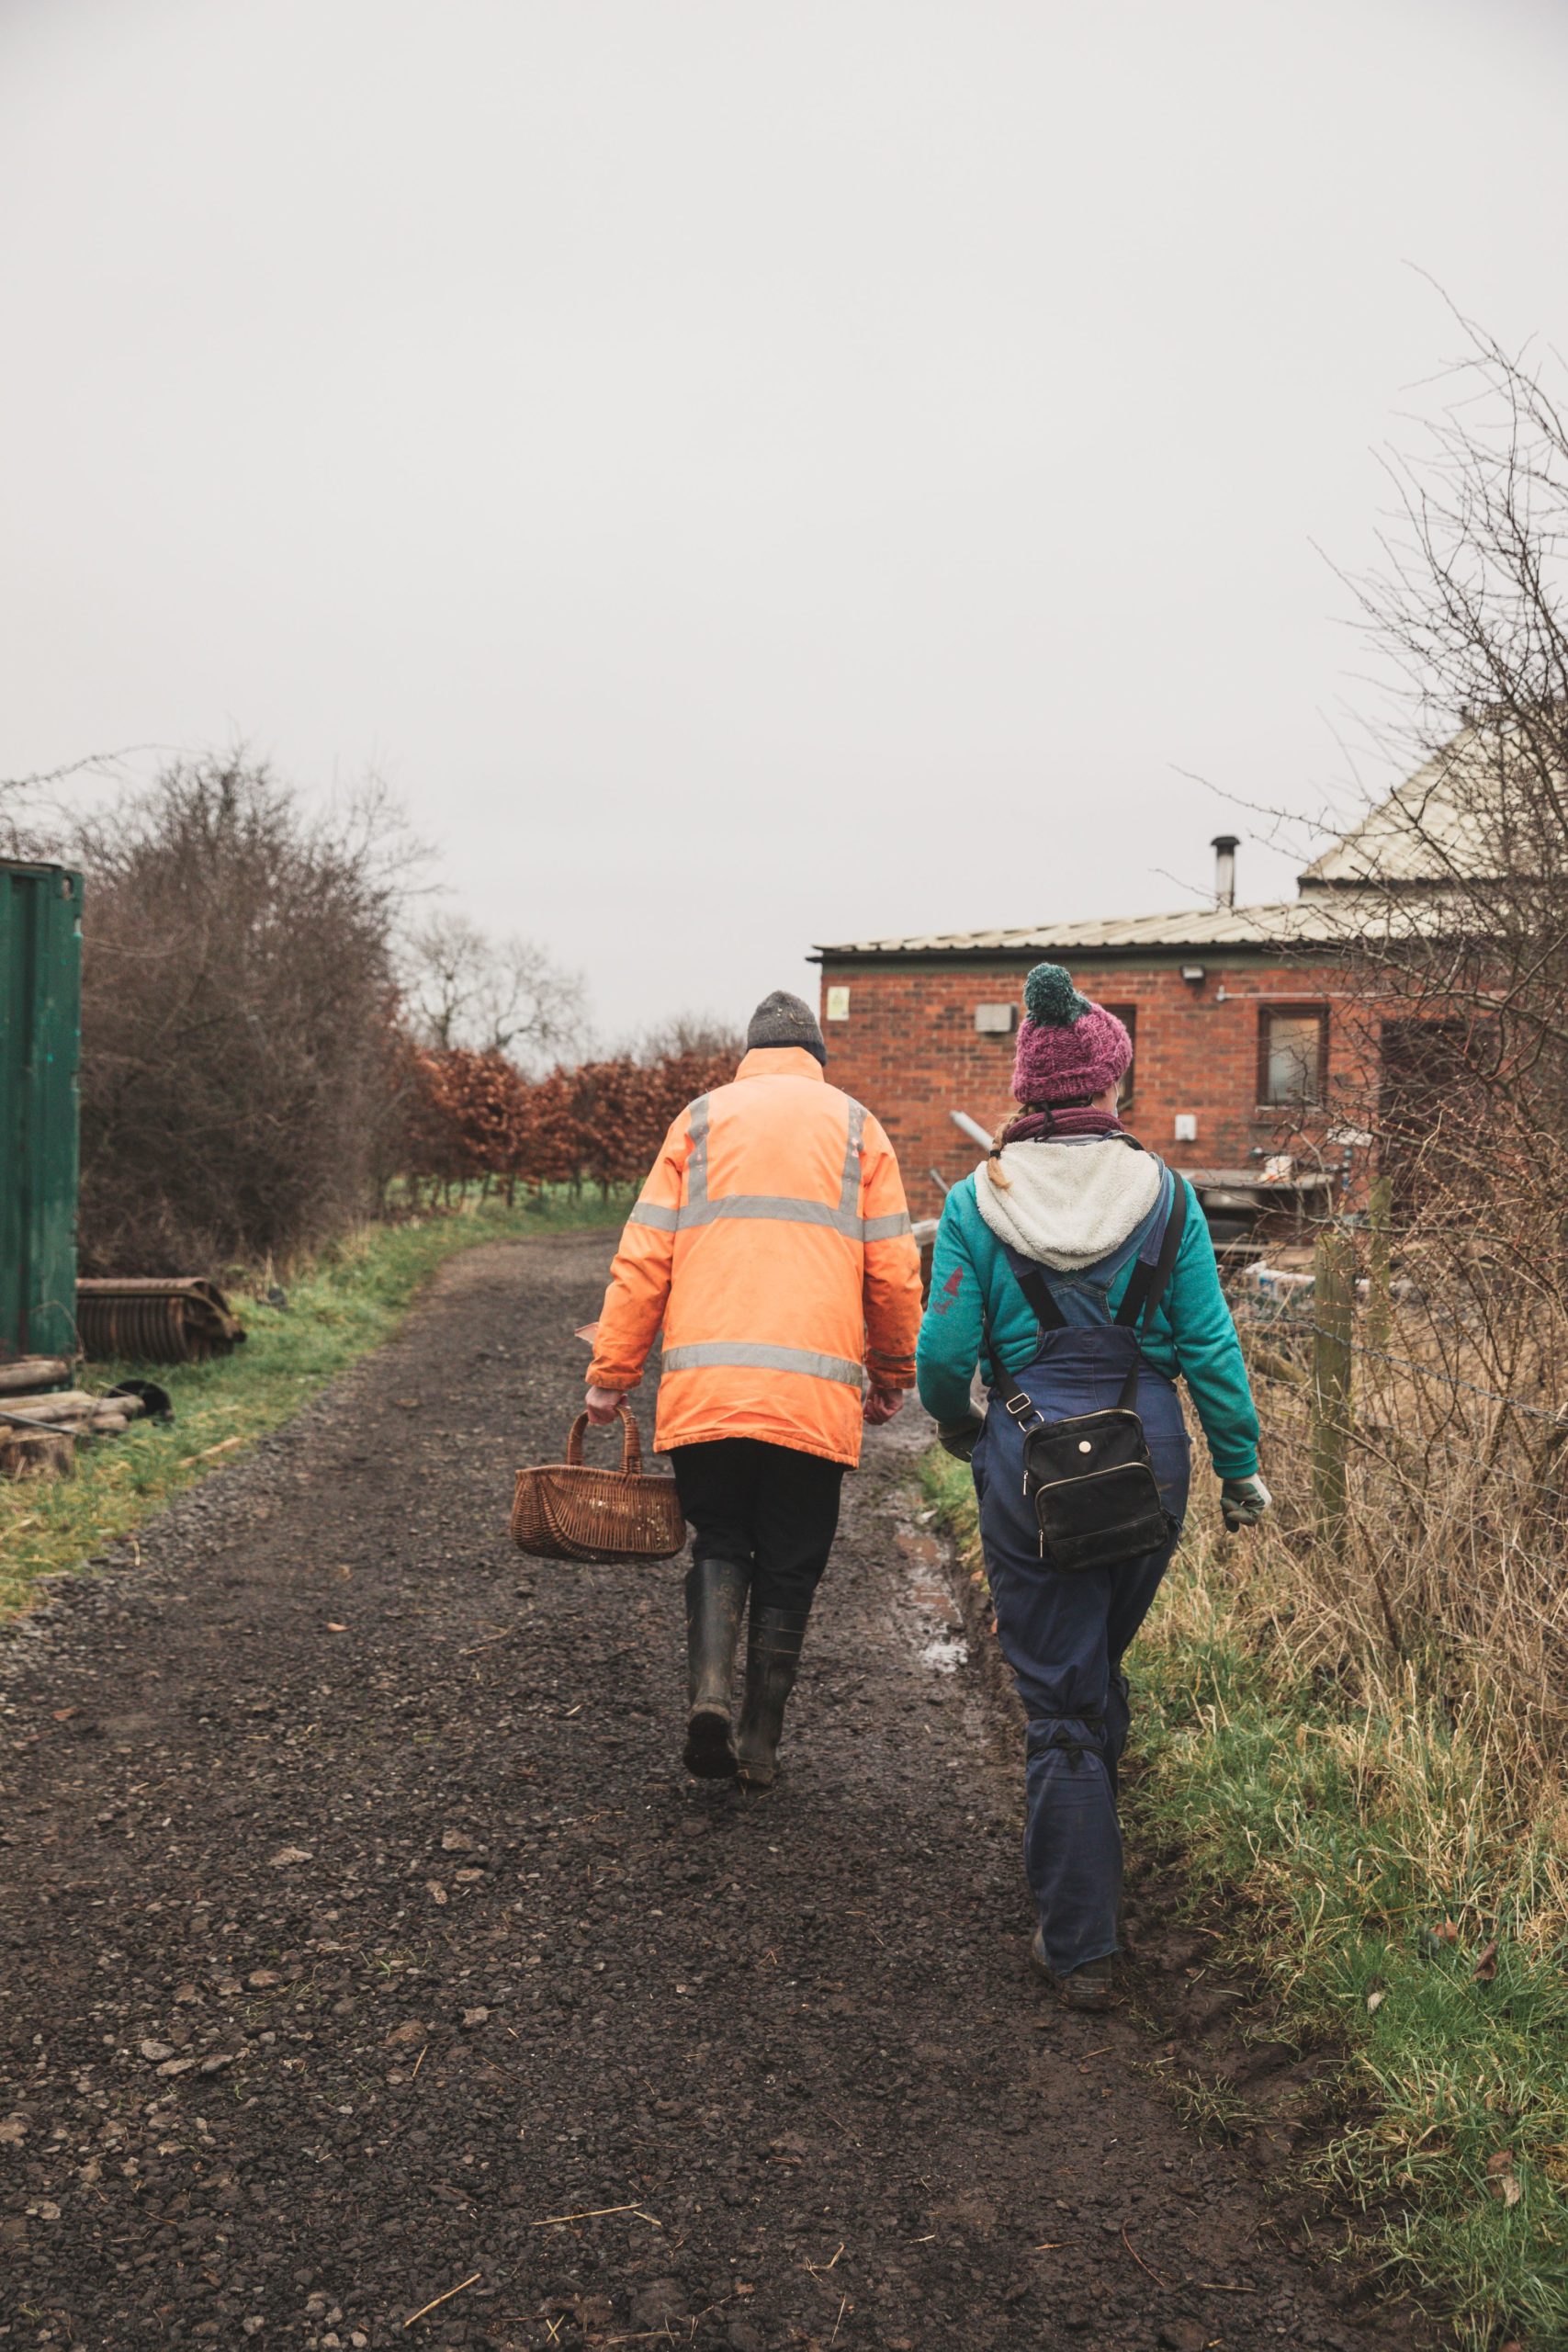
(1284, 1320)
(1335, 1395)
(1555, 1416)
(1414, 1413)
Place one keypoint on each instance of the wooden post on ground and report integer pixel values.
(1334, 1305)
(35, 1453)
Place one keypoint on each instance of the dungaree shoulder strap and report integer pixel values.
(1150, 1280)
(1148, 1285)
(1041, 1296)
(1151, 1277)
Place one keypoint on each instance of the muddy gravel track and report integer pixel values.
(365, 1948)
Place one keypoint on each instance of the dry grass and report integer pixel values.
(1445, 1587)
(1376, 1816)
(1380, 1837)
(1469, 1812)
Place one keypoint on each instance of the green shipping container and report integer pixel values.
(40, 1026)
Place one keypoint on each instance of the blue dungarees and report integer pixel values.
(1065, 1634)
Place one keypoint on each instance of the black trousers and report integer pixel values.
(765, 1507)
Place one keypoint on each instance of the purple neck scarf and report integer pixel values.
(1031, 1125)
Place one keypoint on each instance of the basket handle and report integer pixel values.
(631, 1442)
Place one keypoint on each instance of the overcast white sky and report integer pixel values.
(749, 472)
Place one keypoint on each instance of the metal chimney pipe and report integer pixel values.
(1224, 846)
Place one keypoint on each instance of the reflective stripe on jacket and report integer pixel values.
(772, 1242)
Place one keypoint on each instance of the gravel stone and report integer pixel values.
(761, 2072)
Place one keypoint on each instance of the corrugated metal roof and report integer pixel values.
(1436, 827)
(1296, 923)
(1433, 828)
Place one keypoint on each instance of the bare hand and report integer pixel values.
(603, 1404)
(880, 1404)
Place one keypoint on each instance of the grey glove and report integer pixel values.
(959, 1437)
(1243, 1503)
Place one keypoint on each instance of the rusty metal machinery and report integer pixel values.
(155, 1321)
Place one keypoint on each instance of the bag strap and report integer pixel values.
(631, 1442)
(1017, 1401)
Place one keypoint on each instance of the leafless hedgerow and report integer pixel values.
(1451, 1565)
(238, 1055)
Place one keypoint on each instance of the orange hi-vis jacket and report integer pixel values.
(773, 1242)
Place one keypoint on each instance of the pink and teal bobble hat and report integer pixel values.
(1067, 1045)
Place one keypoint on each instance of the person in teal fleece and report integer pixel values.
(1192, 1333)
(1067, 1197)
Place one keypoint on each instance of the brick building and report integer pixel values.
(1244, 1032)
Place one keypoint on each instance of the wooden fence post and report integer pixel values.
(1380, 1263)
(1334, 1298)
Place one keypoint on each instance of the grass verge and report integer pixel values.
(346, 1302)
(1404, 1901)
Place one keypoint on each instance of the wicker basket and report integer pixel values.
(566, 1511)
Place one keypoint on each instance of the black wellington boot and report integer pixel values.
(772, 1660)
(715, 1596)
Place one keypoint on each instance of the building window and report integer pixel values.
(1293, 1054)
(1127, 1015)
(1432, 1103)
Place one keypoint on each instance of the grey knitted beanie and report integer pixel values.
(783, 1020)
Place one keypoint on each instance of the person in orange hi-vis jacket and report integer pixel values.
(773, 1242)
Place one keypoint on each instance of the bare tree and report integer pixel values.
(489, 996)
(706, 1034)
(1467, 862)
(1450, 902)
(34, 818)
(238, 1047)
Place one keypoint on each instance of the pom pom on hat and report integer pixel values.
(1050, 1000)
(1068, 1046)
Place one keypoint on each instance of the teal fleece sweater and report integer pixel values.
(1191, 1333)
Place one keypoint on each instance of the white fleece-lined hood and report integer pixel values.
(1069, 1204)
